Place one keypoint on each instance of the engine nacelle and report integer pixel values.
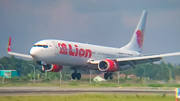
(107, 65)
(52, 68)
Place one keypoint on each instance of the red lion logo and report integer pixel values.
(139, 38)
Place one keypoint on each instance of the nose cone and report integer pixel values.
(34, 52)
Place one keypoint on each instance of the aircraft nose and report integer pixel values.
(34, 52)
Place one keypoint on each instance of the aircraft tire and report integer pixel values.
(73, 76)
(106, 76)
(111, 76)
(78, 75)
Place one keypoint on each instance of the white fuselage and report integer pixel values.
(69, 53)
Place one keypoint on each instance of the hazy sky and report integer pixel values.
(102, 22)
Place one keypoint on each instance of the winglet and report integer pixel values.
(16, 54)
(9, 45)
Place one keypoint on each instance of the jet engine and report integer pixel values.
(52, 68)
(107, 65)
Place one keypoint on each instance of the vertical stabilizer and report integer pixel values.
(136, 43)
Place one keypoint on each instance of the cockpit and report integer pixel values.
(45, 46)
(42, 50)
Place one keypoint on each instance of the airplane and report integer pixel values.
(53, 54)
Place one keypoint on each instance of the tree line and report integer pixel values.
(159, 71)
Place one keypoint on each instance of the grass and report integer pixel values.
(163, 85)
(90, 97)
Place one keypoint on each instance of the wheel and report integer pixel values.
(111, 76)
(73, 76)
(106, 76)
(78, 75)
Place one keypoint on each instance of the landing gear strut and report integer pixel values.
(108, 75)
(76, 75)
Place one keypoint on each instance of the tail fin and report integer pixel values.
(136, 42)
(9, 45)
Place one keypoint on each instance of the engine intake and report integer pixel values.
(107, 65)
(103, 65)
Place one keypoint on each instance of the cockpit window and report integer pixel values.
(45, 46)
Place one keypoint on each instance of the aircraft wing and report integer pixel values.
(17, 54)
(139, 60)
(20, 55)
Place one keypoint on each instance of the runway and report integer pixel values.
(13, 91)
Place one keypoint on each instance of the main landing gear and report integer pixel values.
(108, 75)
(76, 75)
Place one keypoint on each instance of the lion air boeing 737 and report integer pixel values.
(52, 54)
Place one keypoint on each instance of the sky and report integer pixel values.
(102, 22)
